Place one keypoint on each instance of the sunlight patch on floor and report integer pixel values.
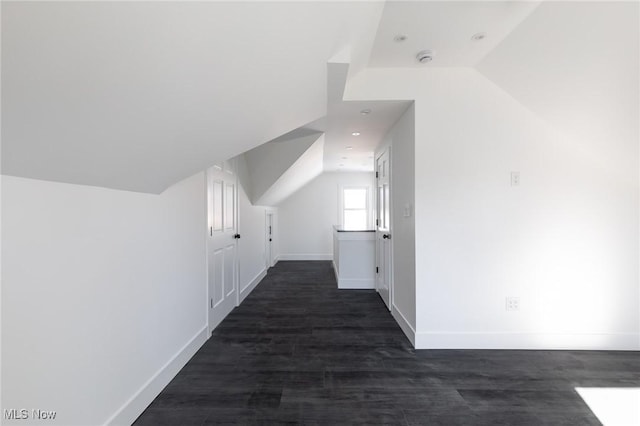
(613, 406)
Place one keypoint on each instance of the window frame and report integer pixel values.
(342, 209)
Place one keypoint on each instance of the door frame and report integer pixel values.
(377, 155)
(234, 165)
(207, 224)
(269, 261)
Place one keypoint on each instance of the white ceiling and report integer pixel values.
(445, 27)
(305, 168)
(449, 27)
(343, 119)
(267, 163)
(138, 95)
(342, 150)
(591, 93)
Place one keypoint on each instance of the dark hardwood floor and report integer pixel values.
(300, 351)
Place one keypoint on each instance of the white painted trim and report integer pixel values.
(213, 325)
(357, 283)
(206, 248)
(252, 284)
(305, 257)
(533, 341)
(131, 409)
(233, 165)
(404, 324)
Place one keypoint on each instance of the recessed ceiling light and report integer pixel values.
(349, 147)
(400, 38)
(365, 111)
(355, 134)
(425, 56)
(478, 36)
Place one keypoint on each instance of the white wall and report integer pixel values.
(101, 289)
(306, 218)
(401, 140)
(565, 241)
(252, 229)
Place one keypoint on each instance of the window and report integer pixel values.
(355, 207)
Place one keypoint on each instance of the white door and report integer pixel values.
(383, 229)
(269, 238)
(222, 242)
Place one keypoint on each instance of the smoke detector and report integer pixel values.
(478, 36)
(425, 56)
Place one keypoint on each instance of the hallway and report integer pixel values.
(300, 351)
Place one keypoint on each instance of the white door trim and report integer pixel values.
(236, 284)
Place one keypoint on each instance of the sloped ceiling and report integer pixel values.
(576, 65)
(306, 168)
(282, 166)
(138, 95)
(268, 162)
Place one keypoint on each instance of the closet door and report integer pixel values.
(222, 244)
(383, 229)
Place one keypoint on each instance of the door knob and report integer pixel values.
(386, 236)
(237, 236)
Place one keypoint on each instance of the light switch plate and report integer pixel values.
(515, 178)
(407, 210)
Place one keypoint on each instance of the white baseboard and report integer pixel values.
(404, 324)
(305, 257)
(131, 409)
(356, 284)
(532, 341)
(254, 282)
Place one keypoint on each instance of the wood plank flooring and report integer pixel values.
(300, 351)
